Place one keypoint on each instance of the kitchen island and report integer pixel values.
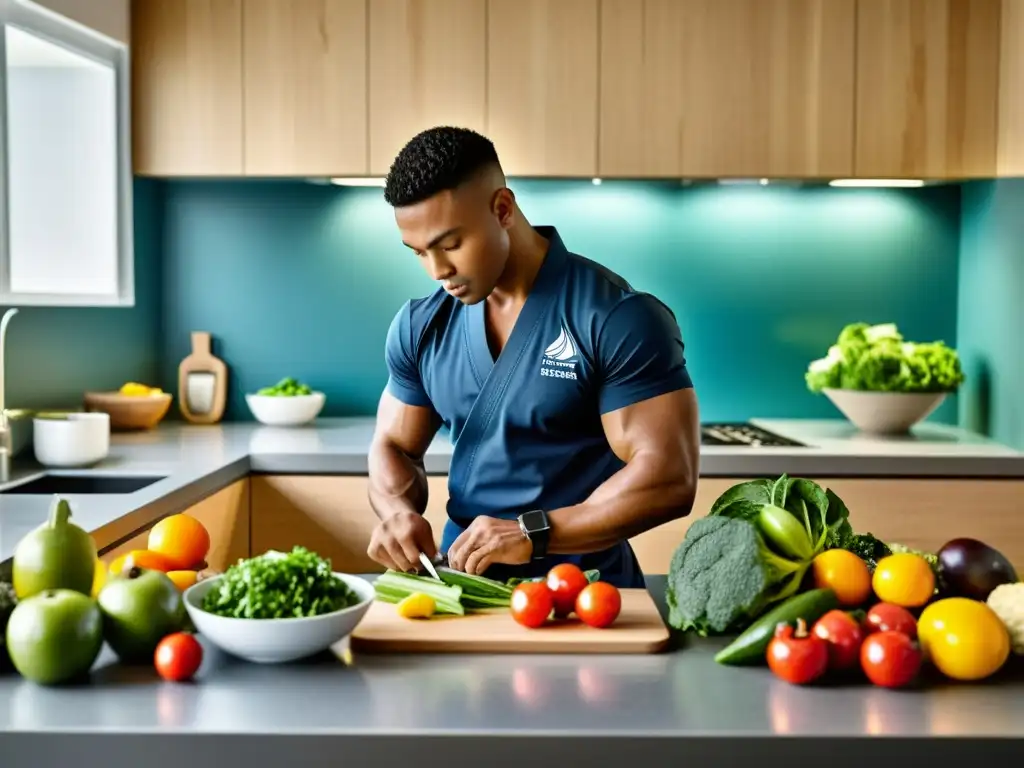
(341, 708)
(307, 485)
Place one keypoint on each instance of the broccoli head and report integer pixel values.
(723, 576)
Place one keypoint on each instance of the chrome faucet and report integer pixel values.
(6, 443)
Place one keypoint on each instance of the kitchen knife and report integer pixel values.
(429, 566)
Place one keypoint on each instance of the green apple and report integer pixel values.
(54, 636)
(139, 609)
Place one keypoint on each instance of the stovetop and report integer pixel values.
(743, 434)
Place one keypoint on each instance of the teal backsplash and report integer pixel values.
(299, 279)
(55, 354)
(991, 331)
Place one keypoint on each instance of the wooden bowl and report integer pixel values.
(130, 411)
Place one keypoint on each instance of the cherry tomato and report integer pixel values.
(566, 581)
(887, 617)
(797, 657)
(598, 604)
(532, 603)
(178, 656)
(890, 659)
(843, 635)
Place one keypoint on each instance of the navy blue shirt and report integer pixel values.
(526, 427)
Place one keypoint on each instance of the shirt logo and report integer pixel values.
(559, 359)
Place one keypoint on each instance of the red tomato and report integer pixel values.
(598, 604)
(565, 581)
(887, 617)
(532, 603)
(890, 659)
(178, 656)
(797, 657)
(843, 635)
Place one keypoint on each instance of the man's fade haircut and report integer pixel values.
(436, 160)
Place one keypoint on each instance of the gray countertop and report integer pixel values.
(381, 709)
(194, 461)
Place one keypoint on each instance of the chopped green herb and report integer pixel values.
(279, 585)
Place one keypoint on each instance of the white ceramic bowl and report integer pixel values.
(272, 641)
(72, 439)
(285, 410)
(884, 413)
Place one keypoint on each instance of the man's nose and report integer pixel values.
(440, 268)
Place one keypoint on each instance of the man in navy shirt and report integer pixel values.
(572, 415)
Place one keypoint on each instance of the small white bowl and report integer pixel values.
(71, 439)
(273, 641)
(286, 410)
(884, 413)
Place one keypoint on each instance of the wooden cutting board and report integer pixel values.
(638, 629)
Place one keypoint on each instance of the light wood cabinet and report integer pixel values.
(927, 88)
(225, 514)
(305, 87)
(708, 88)
(331, 514)
(187, 87)
(427, 67)
(582, 88)
(1010, 154)
(542, 73)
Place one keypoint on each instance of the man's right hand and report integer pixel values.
(397, 541)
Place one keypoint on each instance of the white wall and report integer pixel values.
(110, 17)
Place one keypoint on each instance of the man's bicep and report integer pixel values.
(666, 426)
(409, 428)
(640, 352)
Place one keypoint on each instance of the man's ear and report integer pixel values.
(503, 205)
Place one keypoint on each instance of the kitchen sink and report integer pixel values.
(49, 484)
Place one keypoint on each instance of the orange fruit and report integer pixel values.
(141, 558)
(182, 539)
(845, 574)
(183, 579)
(904, 579)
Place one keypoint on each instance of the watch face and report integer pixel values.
(535, 520)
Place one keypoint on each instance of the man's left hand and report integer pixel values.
(487, 541)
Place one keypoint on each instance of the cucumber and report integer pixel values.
(476, 586)
(750, 646)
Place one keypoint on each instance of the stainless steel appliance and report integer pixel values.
(744, 434)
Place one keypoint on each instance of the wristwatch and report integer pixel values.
(535, 526)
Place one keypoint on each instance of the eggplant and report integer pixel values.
(971, 568)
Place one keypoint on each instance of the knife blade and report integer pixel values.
(429, 566)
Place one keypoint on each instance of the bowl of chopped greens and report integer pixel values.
(882, 383)
(278, 606)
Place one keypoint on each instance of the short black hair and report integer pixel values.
(435, 160)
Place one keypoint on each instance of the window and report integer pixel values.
(65, 175)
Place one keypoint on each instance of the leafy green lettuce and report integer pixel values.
(877, 358)
(823, 515)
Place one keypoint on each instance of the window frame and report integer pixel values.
(87, 42)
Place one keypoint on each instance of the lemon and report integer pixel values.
(417, 606)
(963, 638)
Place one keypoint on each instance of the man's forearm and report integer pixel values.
(647, 492)
(397, 483)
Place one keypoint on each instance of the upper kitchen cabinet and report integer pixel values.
(927, 88)
(65, 170)
(727, 88)
(187, 87)
(428, 66)
(305, 87)
(1010, 158)
(542, 74)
